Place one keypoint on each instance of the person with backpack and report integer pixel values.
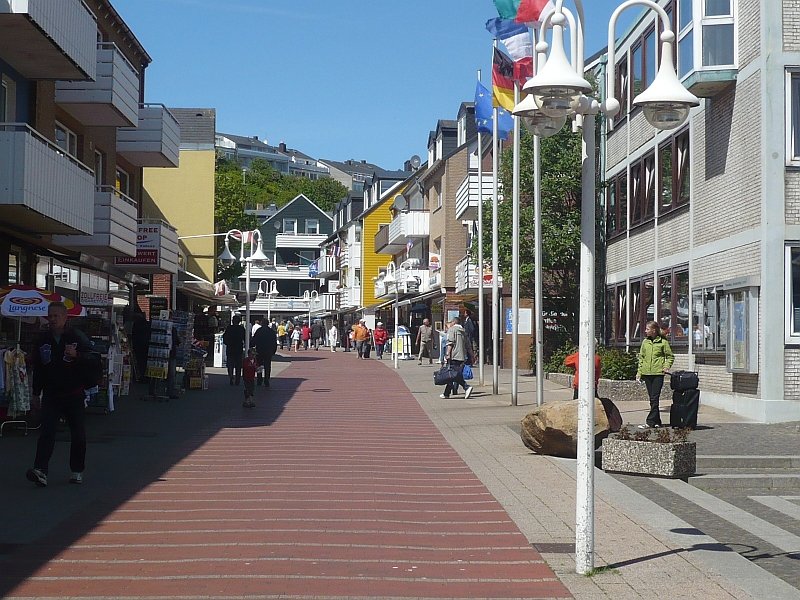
(63, 368)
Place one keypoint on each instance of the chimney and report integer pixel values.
(282, 146)
(363, 162)
(255, 137)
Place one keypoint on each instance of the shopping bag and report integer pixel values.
(467, 372)
(445, 375)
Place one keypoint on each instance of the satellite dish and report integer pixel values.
(415, 162)
(400, 203)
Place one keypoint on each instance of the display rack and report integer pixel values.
(158, 355)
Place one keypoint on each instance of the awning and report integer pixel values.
(202, 289)
(426, 296)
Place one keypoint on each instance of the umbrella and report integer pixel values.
(28, 301)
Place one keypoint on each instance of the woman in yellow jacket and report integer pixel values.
(655, 359)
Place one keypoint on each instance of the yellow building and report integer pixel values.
(184, 196)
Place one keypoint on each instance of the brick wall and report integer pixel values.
(617, 255)
(791, 378)
(643, 246)
(791, 26)
(454, 240)
(617, 146)
(726, 157)
(673, 234)
(716, 268)
(749, 22)
(792, 200)
(162, 286)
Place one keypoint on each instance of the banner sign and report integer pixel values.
(148, 246)
(95, 298)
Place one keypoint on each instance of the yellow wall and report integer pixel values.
(185, 198)
(370, 261)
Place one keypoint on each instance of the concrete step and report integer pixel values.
(757, 481)
(705, 462)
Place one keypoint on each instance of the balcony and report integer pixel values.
(294, 272)
(111, 100)
(382, 245)
(115, 226)
(466, 276)
(154, 142)
(156, 249)
(43, 189)
(409, 225)
(299, 240)
(327, 266)
(349, 297)
(326, 303)
(48, 39)
(468, 195)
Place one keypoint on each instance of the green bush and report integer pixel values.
(618, 364)
(555, 364)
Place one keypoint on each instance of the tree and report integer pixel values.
(561, 227)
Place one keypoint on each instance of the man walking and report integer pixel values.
(457, 352)
(233, 338)
(265, 341)
(62, 369)
(361, 337)
(471, 329)
(425, 341)
(317, 334)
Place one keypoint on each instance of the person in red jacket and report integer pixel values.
(380, 335)
(572, 361)
(305, 335)
(249, 368)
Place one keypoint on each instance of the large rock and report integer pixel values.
(552, 429)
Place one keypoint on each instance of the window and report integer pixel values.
(622, 86)
(793, 116)
(709, 320)
(13, 268)
(306, 257)
(358, 233)
(123, 183)
(617, 210)
(290, 226)
(8, 99)
(637, 70)
(312, 226)
(793, 291)
(718, 33)
(357, 277)
(651, 57)
(3, 101)
(674, 172)
(66, 140)
(438, 193)
(673, 312)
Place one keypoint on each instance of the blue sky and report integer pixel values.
(336, 79)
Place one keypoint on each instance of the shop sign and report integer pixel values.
(434, 261)
(95, 298)
(157, 304)
(148, 246)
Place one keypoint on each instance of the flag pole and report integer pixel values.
(495, 255)
(479, 267)
(515, 259)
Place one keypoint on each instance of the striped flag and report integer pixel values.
(502, 80)
(524, 11)
(517, 39)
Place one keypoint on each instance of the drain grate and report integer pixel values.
(554, 548)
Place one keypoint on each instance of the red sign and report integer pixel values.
(143, 257)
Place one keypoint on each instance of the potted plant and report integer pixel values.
(661, 452)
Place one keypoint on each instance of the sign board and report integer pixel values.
(157, 304)
(525, 321)
(434, 262)
(95, 298)
(148, 246)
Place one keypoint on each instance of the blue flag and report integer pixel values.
(483, 114)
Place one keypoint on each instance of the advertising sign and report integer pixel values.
(95, 298)
(148, 245)
(434, 261)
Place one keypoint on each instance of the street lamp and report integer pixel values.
(270, 290)
(256, 256)
(396, 275)
(310, 296)
(559, 90)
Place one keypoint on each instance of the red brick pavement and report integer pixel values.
(350, 492)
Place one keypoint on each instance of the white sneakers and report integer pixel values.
(468, 393)
(76, 478)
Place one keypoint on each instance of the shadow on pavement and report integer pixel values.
(127, 450)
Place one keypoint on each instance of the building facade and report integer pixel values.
(702, 224)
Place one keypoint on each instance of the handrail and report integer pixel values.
(24, 127)
(113, 190)
(113, 46)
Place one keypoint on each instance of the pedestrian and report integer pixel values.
(296, 339)
(282, 334)
(655, 359)
(305, 335)
(317, 334)
(572, 361)
(233, 338)
(249, 368)
(380, 335)
(361, 337)
(425, 341)
(256, 326)
(266, 344)
(63, 368)
(140, 339)
(333, 337)
(457, 353)
(471, 329)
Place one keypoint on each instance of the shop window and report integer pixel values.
(13, 268)
(673, 311)
(709, 320)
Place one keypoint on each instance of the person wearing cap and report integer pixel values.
(380, 335)
(361, 337)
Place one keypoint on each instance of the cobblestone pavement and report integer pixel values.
(337, 485)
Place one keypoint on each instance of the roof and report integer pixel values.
(248, 141)
(292, 201)
(197, 125)
(352, 166)
(137, 45)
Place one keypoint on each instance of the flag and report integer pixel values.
(524, 11)
(483, 114)
(517, 40)
(502, 80)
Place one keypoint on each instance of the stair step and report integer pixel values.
(772, 481)
(747, 462)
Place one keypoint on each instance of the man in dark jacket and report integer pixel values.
(265, 341)
(233, 338)
(63, 367)
(317, 334)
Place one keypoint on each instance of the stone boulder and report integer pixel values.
(552, 429)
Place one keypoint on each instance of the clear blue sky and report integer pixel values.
(336, 79)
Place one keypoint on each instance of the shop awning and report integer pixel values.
(422, 297)
(202, 289)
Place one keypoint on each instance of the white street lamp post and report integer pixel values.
(558, 90)
(256, 256)
(270, 290)
(311, 296)
(396, 275)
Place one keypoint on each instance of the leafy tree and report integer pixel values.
(561, 227)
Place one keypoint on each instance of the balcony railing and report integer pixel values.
(349, 297)
(327, 266)
(299, 240)
(49, 39)
(468, 195)
(409, 225)
(42, 188)
(115, 226)
(112, 99)
(155, 142)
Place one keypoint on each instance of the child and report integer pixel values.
(249, 367)
(296, 338)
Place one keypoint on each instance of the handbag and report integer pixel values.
(447, 374)
(467, 372)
